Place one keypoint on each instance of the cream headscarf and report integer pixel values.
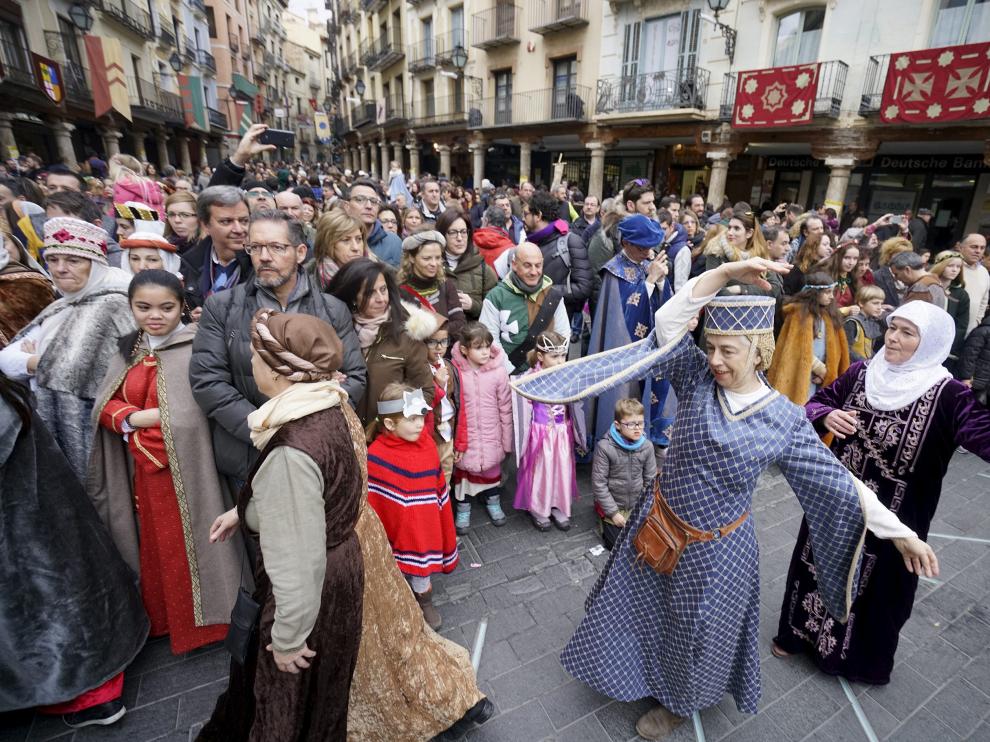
(893, 386)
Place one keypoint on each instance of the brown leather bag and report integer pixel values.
(663, 537)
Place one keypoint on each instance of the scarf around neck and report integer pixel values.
(428, 288)
(367, 327)
(298, 401)
(622, 442)
(530, 291)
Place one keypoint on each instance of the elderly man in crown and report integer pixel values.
(674, 615)
(634, 287)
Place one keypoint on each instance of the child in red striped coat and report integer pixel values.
(408, 491)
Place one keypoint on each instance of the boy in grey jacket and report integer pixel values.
(624, 465)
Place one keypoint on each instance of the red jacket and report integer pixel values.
(491, 243)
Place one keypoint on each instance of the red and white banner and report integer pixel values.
(778, 96)
(950, 83)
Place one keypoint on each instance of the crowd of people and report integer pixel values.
(265, 401)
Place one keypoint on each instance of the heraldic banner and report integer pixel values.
(778, 96)
(951, 83)
(106, 67)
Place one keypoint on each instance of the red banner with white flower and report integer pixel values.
(778, 96)
(951, 83)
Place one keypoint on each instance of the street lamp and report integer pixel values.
(360, 87)
(81, 17)
(728, 33)
(175, 62)
(459, 57)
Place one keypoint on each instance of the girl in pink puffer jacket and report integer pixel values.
(488, 404)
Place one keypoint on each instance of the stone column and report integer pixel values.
(62, 130)
(444, 150)
(383, 148)
(478, 150)
(720, 173)
(161, 143)
(182, 150)
(397, 155)
(139, 150)
(202, 152)
(111, 141)
(363, 152)
(840, 168)
(525, 158)
(413, 159)
(6, 135)
(596, 175)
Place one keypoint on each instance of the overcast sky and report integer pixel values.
(299, 7)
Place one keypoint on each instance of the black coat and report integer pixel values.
(220, 368)
(196, 261)
(581, 279)
(974, 363)
(227, 173)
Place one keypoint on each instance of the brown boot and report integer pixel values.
(657, 723)
(430, 613)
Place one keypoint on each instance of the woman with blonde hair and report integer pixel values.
(423, 278)
(129, 184)
(181, 222)
(948, 268)
(340, 238)
(812, 256)
(412, 220)
(742, 239)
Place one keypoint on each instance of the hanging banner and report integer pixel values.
(778, 96)
(951, 83)
(322, 126)
(244, 120)
(106, 67)
(49, 76)
(193, 104)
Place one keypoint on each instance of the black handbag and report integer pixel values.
(242, 635)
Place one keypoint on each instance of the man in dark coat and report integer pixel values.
(220, 369)
(565, 257)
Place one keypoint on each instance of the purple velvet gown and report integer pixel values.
(902, 455)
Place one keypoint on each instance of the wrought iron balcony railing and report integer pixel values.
(653, 91)
(233, 42)
(498, 26)
(218, 119)
(207, 61)
(440, 110)
(16, 59)
(130, 15)
(828, 97)
(166, 39)
(549, 16)
(876, 78)
(362, 114)
(534, 107)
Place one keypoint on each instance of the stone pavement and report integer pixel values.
(531, 586)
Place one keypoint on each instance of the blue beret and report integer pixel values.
(640, 231)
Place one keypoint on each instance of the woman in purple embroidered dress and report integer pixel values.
(897, 421)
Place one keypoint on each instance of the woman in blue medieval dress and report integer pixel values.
(689, 637)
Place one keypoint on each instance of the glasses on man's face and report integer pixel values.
(457, 233)
(362, 200)
(434, 343)
(274, 248)
(635, 425)
(179, 214)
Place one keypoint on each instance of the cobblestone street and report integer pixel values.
(531, 586)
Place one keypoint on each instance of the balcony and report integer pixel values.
(828, 97)
(198, 6)
(349, 65)
(64, 48)
(535, 107)
(435, 52)
(16, 62)
(441, 110)
(153, 103)
(189, 51)
(396, 112)
(166, 39)
(652, 92)
(876, 78)
(498, 26)
(550, 16)
(347, 12)
(373, 6)
(129, 15)
(218, 119)
(422, 55)
(362, 114)
(268, 58)
(382, 53)
(76, 87)
(234, 43)
(207, 62)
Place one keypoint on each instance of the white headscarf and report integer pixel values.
(893, 386)
(100, 277)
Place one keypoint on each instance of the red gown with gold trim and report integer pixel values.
(166, 585)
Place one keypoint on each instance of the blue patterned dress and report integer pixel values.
(688, 638)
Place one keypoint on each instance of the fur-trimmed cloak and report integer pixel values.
(790, 373)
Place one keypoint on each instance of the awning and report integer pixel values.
(243, 87)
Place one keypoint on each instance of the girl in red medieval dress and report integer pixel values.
(160, 520)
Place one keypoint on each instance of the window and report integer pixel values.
(457, 27)
(427, 35)
(13, 52)
(429, 100)
(961, 22)
(564, 88)
(503, 97)
(211, 22)
(798, 37)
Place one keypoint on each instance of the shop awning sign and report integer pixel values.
(778, 96)
(49, 76)
(950, 83)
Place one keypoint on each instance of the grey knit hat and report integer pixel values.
(418, 239)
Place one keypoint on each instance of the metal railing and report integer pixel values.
(149, 96)
(130, 15)
(198, 5)
(828, 96)
(548, 16)
(233, 42)
(372, 6)
(268, 58)
(498, 26)
(189, 51)
(165, 37)
(73, 73)
(349, 65)
(347, 12)
(396, 110)
(362, 114)
(533, 107)
(436, 50)
(382, 53)
(76, 86)
(653, 91)
(440, 110)
(16, 60)
(876, 78)
(218, 119)
(207, 61)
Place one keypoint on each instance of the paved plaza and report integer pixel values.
(531, 587)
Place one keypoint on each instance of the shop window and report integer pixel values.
(961, 22)
(799, 35)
